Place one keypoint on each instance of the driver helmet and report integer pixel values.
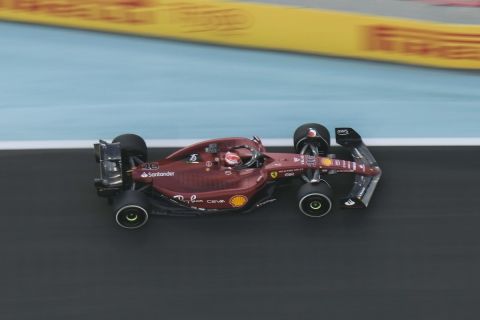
(232, 158)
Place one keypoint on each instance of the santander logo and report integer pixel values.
(157, 174)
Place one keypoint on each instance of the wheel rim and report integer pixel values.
(131, 217)
(315, 205)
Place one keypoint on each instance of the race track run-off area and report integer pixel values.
(70, 85)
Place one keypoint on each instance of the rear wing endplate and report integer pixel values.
(109, 158)
(363, 186)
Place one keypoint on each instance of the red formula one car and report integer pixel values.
(229, 175)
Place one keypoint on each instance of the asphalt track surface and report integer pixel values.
(414, 254)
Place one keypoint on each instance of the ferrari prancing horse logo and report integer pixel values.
(274, 174)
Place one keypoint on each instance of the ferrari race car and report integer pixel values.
(229, 175)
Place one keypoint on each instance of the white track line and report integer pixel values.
(166, 143)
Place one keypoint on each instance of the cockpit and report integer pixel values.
(243, 157)
(228, 153)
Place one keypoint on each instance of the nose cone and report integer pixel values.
(312, 133)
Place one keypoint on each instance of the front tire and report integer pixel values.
(314, 134)
(131, 209)
(315, 199)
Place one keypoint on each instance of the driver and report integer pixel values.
(232, 159)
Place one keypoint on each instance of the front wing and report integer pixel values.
(363, 186)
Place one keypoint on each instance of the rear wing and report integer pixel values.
(109, 158)
(363, 186)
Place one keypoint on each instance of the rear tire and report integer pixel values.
(131, 209)
(132, 145)
(315, 199)
(321, 139)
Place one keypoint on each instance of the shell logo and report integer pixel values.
(327, 162)
(238, 201)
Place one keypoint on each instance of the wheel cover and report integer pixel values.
(131, 217)
(315, 205)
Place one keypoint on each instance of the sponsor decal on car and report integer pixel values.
(274, 174)
(289, 172)
(216, 201)
(350, 202)
(311, 160)
(157, 174)
(150, 166)
(327, 162)
(238, 201)
(193, 198)
(193, 158)
(343, 132)
(179, 197)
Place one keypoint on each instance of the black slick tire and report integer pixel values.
(132, 145)
(131, 209)
(315, 199)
